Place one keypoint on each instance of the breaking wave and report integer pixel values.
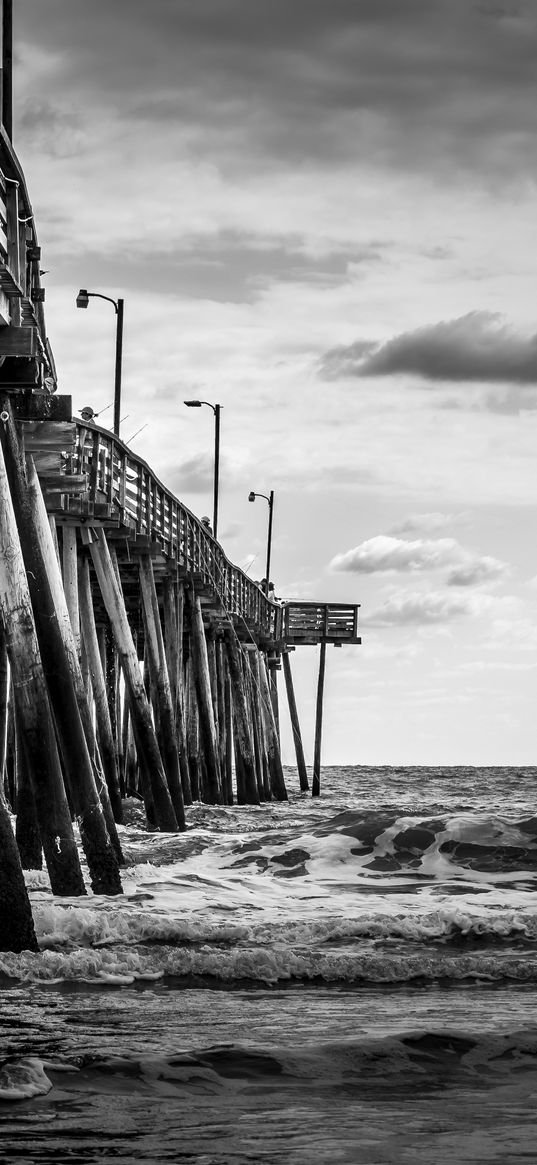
(401, 1059)
(360, 897)
(451, 845)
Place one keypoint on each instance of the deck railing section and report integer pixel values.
(10, 239)
(3, 221)
(316, 621)
(20, 269)
(117, 478)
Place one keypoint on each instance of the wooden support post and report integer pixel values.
(4, 703)
(27, 824)
(205, 701)
(158, 669)
(273, 681)
(223, 725)
(112, 676)
(173, 641)
(115, 691)
(180, 714)
(137, 783)
(239, 766)
(86, 680)
(169, 595)
(277, 780)
(213, 679)
(100, 697)
(217, 694)
(54, 534)
(295, 724)
(111, 673)
(244, 753)
(33, 708)
(257, 733)
(192, 733)
(228, 711)
(126, 785)
(70, 580)
(17, 931)
(180, 621)
(316, 780)
(10, 790)
(256, 663)
(68, 694)
(180, 729)
(147, 748)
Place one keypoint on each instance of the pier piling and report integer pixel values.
(32, 705)
(316, 778)
(244, 754)
(295, 723)
(149, 757)
(200, 660)
(158, 670)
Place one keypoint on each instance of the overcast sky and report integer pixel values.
(321, 215)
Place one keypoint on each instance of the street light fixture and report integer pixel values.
(270, 499)
(196, 404)
(82, 300)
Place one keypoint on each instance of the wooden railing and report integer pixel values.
(122, 487)
(22, 320)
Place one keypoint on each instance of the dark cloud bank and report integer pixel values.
(477, 347)
(444, 84)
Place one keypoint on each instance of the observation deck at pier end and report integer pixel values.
(307, 624)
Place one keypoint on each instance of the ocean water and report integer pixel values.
(347, 979)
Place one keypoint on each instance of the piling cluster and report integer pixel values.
(97, 704)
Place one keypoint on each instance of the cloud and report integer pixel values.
(384, 553)
(476, 347)
(448, 85)
(405, 608)
(476, 571)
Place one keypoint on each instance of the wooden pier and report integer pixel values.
(135, 659)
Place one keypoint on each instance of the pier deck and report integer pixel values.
(90, 478)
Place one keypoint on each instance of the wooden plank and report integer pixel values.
(8, 283)
(6, 308)
(48, 435)
(43, 406)
(48, 463)
(65, 483)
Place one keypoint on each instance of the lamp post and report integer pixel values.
(270, 499)
(82, 300)
(196, 404)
